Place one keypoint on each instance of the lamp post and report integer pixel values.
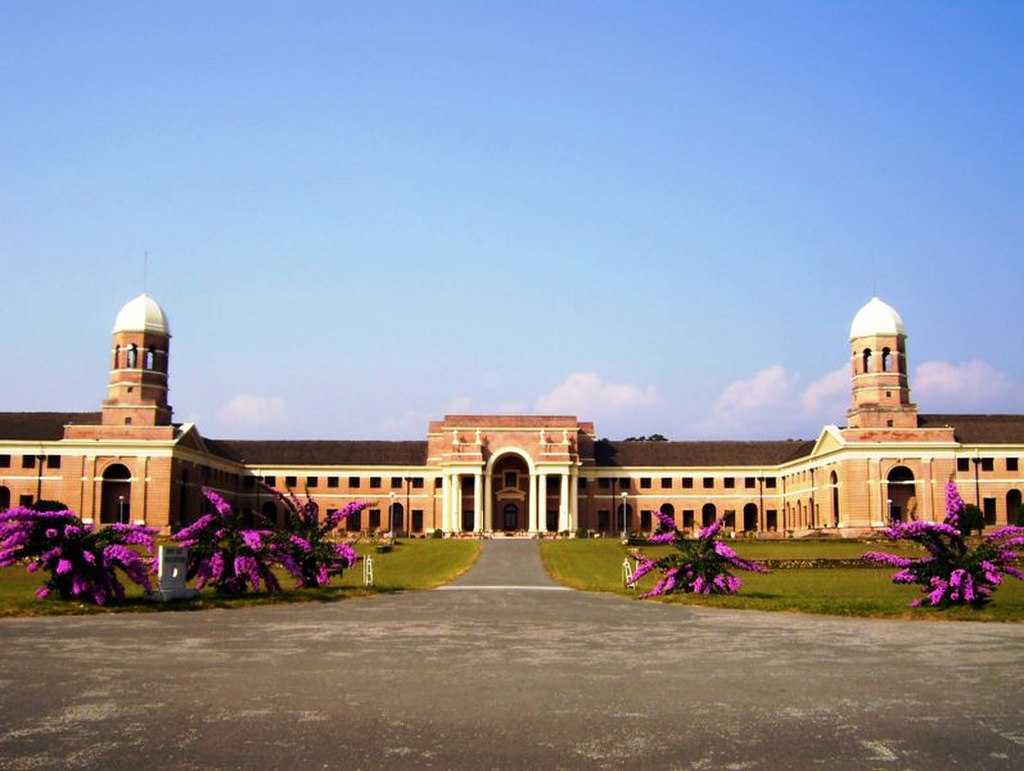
(624, 496)
(120, 510)
(977, 483)
(39, 477)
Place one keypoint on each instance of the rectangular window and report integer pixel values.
(438, 482)
(24, 500)
(1012, 464)
(332, 481)
(769, 482)
(417, 483)
(396, 482)
(988, 464)
(989, 507)
(417, 520)
(624, 483)
(709, 482)
(270, 481)
(28, 461)
(290, 481)
(311, 481)
(5, 461)
(687, 483)
(374, 519)
(511, 479)
(666, 483)
(353, 482)
(730, 482)
(645, 483)
(374, 483)
(687, 518)
(963, 464)
(749, 482)
(52, 461)
(604, 483)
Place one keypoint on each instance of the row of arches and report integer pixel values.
(131, 357)
(886, 364)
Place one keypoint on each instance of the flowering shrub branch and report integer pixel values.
(224, 553)
(699, 566)
(305, 547)
(82, 561)
(953, 573)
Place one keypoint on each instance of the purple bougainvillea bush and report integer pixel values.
(226, 554)
(82, 561)
(701, 565)
(305, 547)
(953, 573)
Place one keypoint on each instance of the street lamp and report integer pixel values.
(977, 483)
(120, 510)
(624, 495)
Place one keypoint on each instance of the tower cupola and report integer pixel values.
(881, 388)
(137, 391)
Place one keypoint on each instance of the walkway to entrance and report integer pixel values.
(511, 564)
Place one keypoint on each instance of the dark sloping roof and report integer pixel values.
(42, 426)
(321, 452)
(979, 429)
(699, 453)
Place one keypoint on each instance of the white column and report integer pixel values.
(542, 502)
(457, 522)
(531, 525)
(563, 502)
(488, 521)
(446, 502)
(574, 499)
(478, 518)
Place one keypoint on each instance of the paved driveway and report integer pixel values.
(521, 677)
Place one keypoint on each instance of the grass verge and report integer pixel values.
(412, 564)
(596, 565)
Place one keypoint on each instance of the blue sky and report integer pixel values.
(660, 216)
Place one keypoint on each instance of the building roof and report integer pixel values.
(876, 318)
(42, 426)
(768, 453)
(979, 429)
(321, 452)
(142, 314)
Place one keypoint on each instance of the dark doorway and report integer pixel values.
(551, 521)
(834, 479)
(1014, 513)
(510, 517)
(5, 498)
(624, 517)
(707, 515)
(397, 522)
(750, 516)
(116, 497)
(902, 502)
(467, 521)
(604, 520)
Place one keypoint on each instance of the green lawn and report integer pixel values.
(596, 565)
(413, 564)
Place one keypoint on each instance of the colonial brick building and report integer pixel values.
(503, 473)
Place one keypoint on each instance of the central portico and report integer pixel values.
(509, 473)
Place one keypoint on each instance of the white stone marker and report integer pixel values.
(173, 562)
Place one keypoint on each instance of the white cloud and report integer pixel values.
(972, 383)
(587, 395)
(828, 394)
(767, 388)
(249, 411)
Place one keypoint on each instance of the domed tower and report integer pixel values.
(881, 389)
(137, 392)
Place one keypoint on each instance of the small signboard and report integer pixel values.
(171, 571)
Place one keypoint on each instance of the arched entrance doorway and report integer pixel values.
(510, 485)
(669, 511)
(396, 521)
(116, 495)
(1014, 512)
(707, 515)
(902, 501)
(750, 516)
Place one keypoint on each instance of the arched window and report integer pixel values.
(133, 355)
(117, 350)
(708, 515)
(834, 480)
(116, 496)
(669, 510)
(150, 357)
(886, 360)
(867, 360)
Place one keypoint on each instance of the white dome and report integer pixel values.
(876, 318)
(142, 314)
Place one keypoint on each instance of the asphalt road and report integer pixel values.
(480, 677)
